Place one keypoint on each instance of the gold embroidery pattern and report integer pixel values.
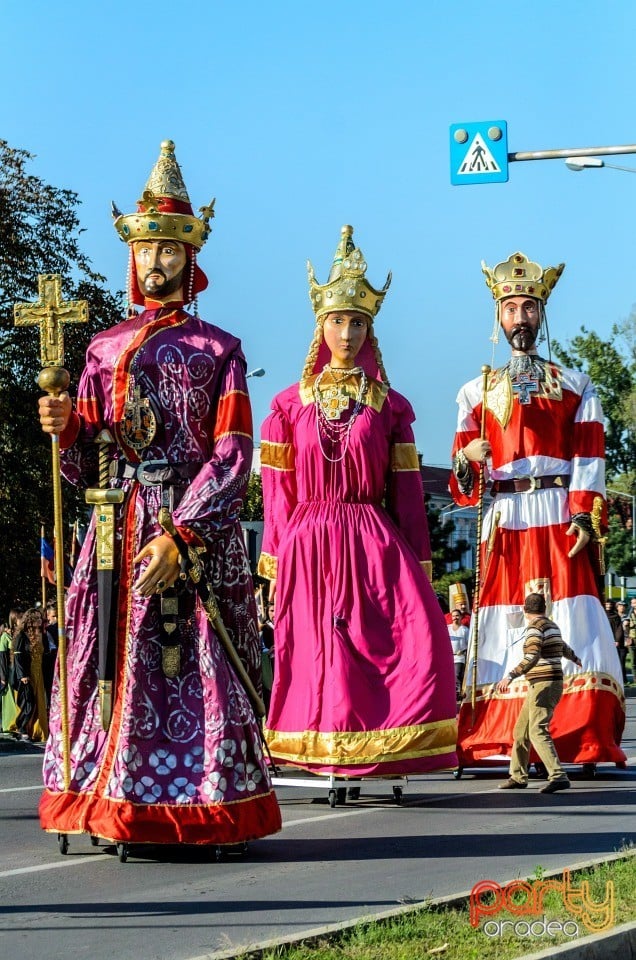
(571, 684)
(369, 746)
(267, 566)
(499, 397)
(374, 398)
(278, 456)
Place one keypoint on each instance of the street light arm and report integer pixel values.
(573, 152)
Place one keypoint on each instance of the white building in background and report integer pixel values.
(435, 483)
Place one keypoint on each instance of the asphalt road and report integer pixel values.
(327, 865)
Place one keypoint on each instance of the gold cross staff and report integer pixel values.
(50, 313)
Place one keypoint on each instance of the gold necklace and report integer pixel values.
(340, 374)
(327, 415)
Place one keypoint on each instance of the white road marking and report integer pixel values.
(20, 789)
(65, 862)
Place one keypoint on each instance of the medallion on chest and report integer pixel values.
(541, 380)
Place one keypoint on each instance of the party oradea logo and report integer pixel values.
(524, 900)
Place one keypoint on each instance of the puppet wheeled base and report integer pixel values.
(340, 789)
(124, 849)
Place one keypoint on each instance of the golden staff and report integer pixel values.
(49, 313)
(485, 370)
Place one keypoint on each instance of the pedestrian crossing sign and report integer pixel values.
(479, 152)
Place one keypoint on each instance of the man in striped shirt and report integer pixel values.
(543, 650)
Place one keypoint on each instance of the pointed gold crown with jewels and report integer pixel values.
(164, 211)
(519, 277)
(347, 287)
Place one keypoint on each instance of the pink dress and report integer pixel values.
(364, 680)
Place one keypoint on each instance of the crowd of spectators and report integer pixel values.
(28, 649)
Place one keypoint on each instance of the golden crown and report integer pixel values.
(519, 277)
(164, 211)
(347, 287)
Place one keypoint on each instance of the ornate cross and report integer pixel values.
(335, 400)
(50, 312)
(524, 386)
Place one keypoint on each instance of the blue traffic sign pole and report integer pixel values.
(479, 152)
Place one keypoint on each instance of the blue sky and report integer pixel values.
(302, 116)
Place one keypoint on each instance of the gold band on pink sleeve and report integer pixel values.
(278, 456)
(404, 457)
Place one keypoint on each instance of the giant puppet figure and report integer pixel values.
(542, 449)
(169, 751)
(364, 681)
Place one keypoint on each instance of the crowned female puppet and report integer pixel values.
(364, 680)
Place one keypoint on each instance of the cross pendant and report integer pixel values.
(335, 400)
(524, 386)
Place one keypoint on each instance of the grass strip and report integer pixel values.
(432, 930)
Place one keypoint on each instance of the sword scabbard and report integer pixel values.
(103, 499)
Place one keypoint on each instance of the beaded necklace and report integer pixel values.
(328, 423)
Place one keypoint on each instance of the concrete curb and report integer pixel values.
(618, 944)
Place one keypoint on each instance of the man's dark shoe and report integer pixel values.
(511, 784)
(553, 785)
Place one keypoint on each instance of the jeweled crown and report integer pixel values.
(347, 287)
(519, 277)
(164, 211)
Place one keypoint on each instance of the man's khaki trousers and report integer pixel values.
(532, 728)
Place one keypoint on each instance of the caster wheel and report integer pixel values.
(94, 841)
(589, 771)
(341, 795)
(353, 793)
(397, 795)
(122, 852)
(457, 774)
(332, 798)
(62, 842)
(219, 854)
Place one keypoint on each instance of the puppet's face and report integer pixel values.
(345, 331)
(160, 265)
(520, 321)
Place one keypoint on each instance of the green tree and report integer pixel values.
(444, 551)
(39, 233)
(611, 365)
(253, 504)
(620, 546)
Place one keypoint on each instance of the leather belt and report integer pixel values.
(151, 472)
(530, 484)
